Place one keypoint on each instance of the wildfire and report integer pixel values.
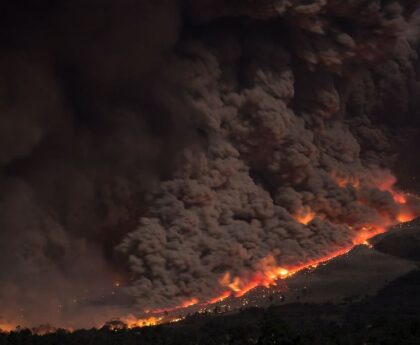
(133, 322)
(387, 184)
(271, 275)
(384, 181)
(400, 198)
(268, 273)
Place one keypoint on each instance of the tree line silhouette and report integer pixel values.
(251, 326)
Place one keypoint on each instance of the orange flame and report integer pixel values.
(405, 217)
(220, 298)
(189, 303)
(270, 273)
(133, 322)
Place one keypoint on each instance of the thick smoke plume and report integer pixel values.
(225, 125)
(290, 167)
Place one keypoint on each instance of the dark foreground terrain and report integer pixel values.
(249, 327)
(391, 317)
(271, 331)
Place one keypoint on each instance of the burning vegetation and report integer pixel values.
(269, 274)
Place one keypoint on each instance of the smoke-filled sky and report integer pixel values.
(173, 146)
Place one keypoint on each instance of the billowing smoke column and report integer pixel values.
(290, 168)
(247, 135)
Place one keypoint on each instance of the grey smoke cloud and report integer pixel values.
(281, 127)
(214, 122)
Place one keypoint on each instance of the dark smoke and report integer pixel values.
(288, 98)
(214, 121)
(83, 137)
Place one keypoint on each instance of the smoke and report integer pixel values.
(217, 122)
(83, 137)
(292, 166)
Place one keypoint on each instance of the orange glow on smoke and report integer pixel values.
(7, 327)
(269, 273)
(190, 303)
(388, 185)
(344, 181)
(399, 198)
(305, 216)
(186, 304)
